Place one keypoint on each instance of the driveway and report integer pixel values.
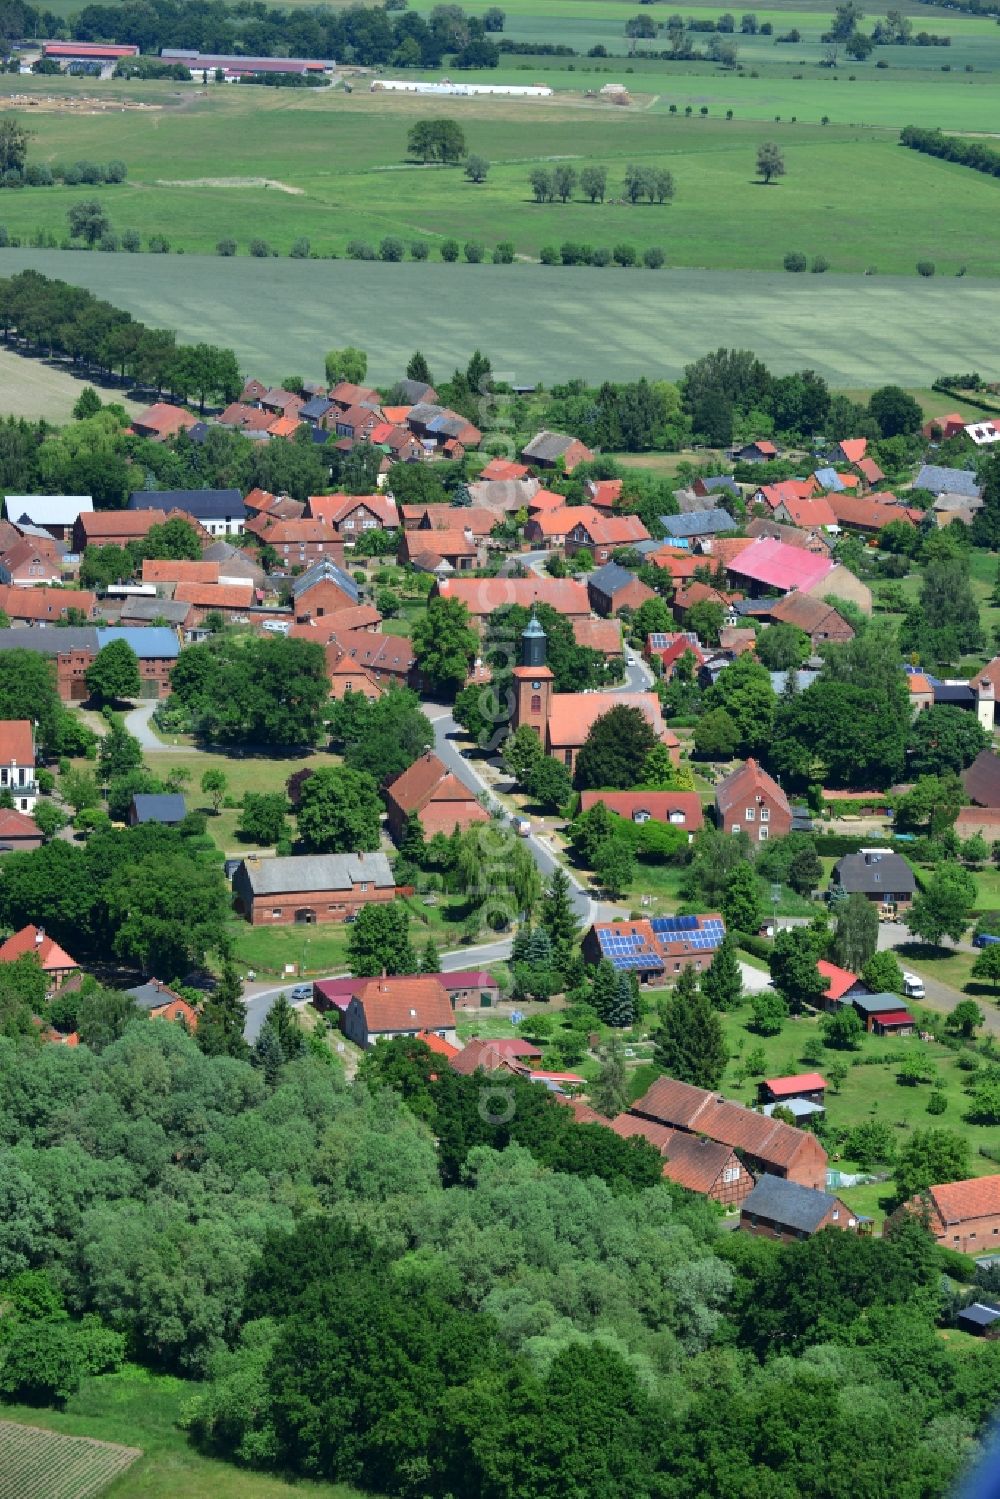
(939, 996)
(137, 721)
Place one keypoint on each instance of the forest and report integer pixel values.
(401, 1286)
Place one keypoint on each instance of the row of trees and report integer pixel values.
(968, 153)
(58, 318)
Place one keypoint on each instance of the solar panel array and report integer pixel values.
(629, 950)
(704, 933)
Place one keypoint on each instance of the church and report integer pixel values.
(562, 720)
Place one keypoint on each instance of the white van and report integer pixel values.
(913, 987)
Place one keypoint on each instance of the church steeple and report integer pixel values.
(534, 643)
(533, 681)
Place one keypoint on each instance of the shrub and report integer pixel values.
(418, 250)
(391, 248)
(158, 244)
(131, 241)
(937, 1103)
(548, 255)
(825, 120)
(601, 256)
(226, 247)
(301, 249)
(729, 114)
(624, 255)
(925, 267)
(449, 250)
(703, 111)
(819, 265)
(109, 243)
(260, 249)
(795, 261)
(473, 252)
(653, 258)
(503, 253)
(673, 109)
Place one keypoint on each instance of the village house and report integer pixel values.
(119, 527)
(678, 809)
(160, 1002)
(252, 421)
(17, 762)
(482, 596)
(389, 1007)
(346, 676)
(555, 450)
(59, 968)
(703, 1166)
(548, 526)
(883, 1014)
(299, 543)
(602, 635)
(813, 540)
(867, 514)
(750, 801)
(232, 601)
(466, 988)
(670, 646)
(442, 430)
(765, 1145)
(813, 616)
(161, 420)
(781, 1209)
(963, 1215)
(808, 1086)
(879, 875)
(504, 469)
(656, 949)
(770, 497)
(456, 551)
(807, 514)
(220, 511)
(849, 450)
(613, 588)
(389, 659)
(761, 451)
(603, 494)
(166, 808)
(430, 791)
(353, 515)
(323, 589)
(18, 831)
(45, 606)
(940, 480)
(305, 889)
(602, 535)
(166, 574)
(32, 562)
(55, 513)
(697, 526)
(842, 985)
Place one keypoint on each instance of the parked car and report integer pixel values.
(984, 939)
(302, 992)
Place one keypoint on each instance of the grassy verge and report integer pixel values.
(142, 1410)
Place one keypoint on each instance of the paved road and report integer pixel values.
(137, 722)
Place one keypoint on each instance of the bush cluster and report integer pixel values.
(72, 174)
(974, 154)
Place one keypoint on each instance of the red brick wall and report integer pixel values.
(328, 905)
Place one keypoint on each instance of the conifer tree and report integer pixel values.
(689, 1044)
(223, 1017)
(430, 962)
(605, 990)
(557, 916)
(722, 985)
(609, 1094)
(623, 1011)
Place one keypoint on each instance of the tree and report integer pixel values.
(14, 140)
(706, 619)
(782, 647)
(382, 738)
(837, 1071)
(412, 842)
(88, 403)
(944, 907)
(933, 803)
(965, 1019)
(609, 1092)
(446, 645)
(770, 161)
(742, 907)
(722, 985)
(594, 183)
(436, 140)
(88, 220)
(882, 973)
(855, 937)
(214, 783)
(793, 969)
(223, 1017)
(895, 411)
(945, 739)
(930, 1158)
(542, 185)
(615, 749)
(521, 752)
(263, 818)
(419, 369)
(476, 168)
(744, 690)
(768, 1012)
(805, 870)
(689, 1042)
(380, 939)
(80, 789)
(716, 735)
(557, 917)
(348, 364)
(614, 866)
(339, 811)
(987, 965)
(40, 1363)
(564, 180)
(550, 783)
(430, 961)
(119, 751)
(113, 675)
(843, 1030)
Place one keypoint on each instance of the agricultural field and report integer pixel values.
(40, 1464)
(34, 389)
(143, 1410)
(280, 316)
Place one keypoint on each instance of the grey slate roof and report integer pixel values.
(827, 478)
(873, 873)
(876, 1004)
(548, 446)
(979, 1315)
(698, 523)
(144, 610)
(607, 580)
(722, 483)
(152, 994)
(413, 391)
(322, 570)
(203, 504)
(314, 872)
(787, 1204)
(316, 408)
(50, 641)
(947, 481)
(159, 806)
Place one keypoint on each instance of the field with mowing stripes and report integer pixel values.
(38, 1464)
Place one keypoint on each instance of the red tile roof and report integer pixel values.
(785, 491)
(790, 1087)
(425, 780)
(17, 825)
(546, 499)
(437, 1044)
(16, 741)
(604, 635)
(333, 508)
(746, 782)
(476, 1055)
(157, 571)
(163, 419)
(870, 512)
(777, 565)
(814, 511)
(572, 715)
(50, 955)
(44, 603)
(807, 613)
(839, 979)
(854, 448)
(871, 471)
(503, 468)
(659, 804)
(98, 524)
(215, 595)
(405, 1004)
(482, 595)
(961, 1202)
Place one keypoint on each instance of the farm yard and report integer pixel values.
(565, 321)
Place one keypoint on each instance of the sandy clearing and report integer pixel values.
(281, 187)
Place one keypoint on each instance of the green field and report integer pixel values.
(142, 1410)
(280, 316)
(199, 162)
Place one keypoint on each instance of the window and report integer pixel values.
(763, 835)
(852, 1222)
(364, 886)
(536, 702)
(735, 828)
(731, 1174)
(750, 814)
(765, 814)
(275, 914)
(836, 1214)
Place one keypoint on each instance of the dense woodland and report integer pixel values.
(521, 1309)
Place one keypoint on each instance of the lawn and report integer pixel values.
(34, 388)
(142, 1410)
